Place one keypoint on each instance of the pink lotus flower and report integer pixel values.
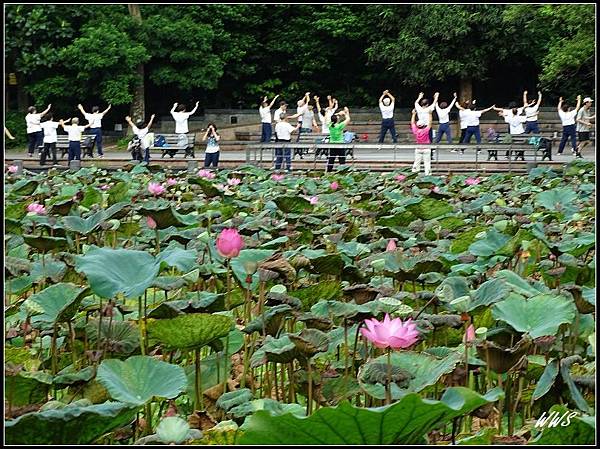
(104, 187)
(206, 174)
(12, 168)
(390, 333)
(334, 185)
(229, 243)
(472, 181)
(155, 188)
(436, 189)
(277, 178)
(171, 181)
(234, 181)
(150, 222)
(314, 199)
(469, 334)
(36, 208)
(400, 178)
(391, 246)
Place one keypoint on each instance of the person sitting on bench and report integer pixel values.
(141, 130)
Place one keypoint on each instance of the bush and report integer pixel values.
(122, 143)
(15, 122)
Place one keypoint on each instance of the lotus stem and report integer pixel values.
(157, 238)
(310, 392)
(275, 381)
(72, 337)
(141, 326)
(53, 349)
(148, 413)
(99, 337)
(388, 387)
(345, 347)
(198, 403)
(225, 370)
(228, 297)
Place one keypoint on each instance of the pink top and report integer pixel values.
(421, 134)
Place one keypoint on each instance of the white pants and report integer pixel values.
(422, 154)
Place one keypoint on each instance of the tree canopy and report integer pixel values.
(232, 55)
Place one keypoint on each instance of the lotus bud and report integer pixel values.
(391, 246)
(229, 243)
(469, 334)
(334, 185)
(150, 222)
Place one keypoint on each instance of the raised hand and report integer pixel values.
(421, 95)
(539, 92)
(455, 95)
(525, 93)
(329, 97)
(385, 92)
(79, 105)
(436, 95)
(414, 111)
(128, 118)
(175, 104)
(560, 99)
(197, 103)
(578, 97)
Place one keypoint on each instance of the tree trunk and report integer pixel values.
(22, 98)
(466, 89)
(138, 106)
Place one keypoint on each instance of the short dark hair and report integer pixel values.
(211, 124)
(443, 105)
(47, 117)
(141, 124)
(512, 105)
(31, 109)
(334, 118)
(282, 103)
(424, 102)
(95, 109)
(181, 108)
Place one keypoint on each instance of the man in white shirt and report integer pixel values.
(181, 117)
(567, 116)
(49, 127)
(424, 110)
(283, 131)
(386, 106)
(74, 131)
(35, 135)
(95, 121)
(278, 113)
(141, 130)
(265, 118)
(531, 113)
(443, 112)
(471, 119)
(515, 125)
(584, 118)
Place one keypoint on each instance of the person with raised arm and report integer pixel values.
(265, 118)
(181, 116)
(471, 117)
(424, 110)
(8, 134)
(584, 124)
(336, 135)
(283, 131)
(35, 135)
(443, 113)
(95, 121)
(141, 130)
(515, 120)
(326, 114)
(50, 126)
(531, 112)
(74, 131)
(386, 106)
(567, 116)
(420, 130)
(211, 155)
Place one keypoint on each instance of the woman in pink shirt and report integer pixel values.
(420, 130)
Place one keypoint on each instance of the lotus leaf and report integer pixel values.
(189, 331)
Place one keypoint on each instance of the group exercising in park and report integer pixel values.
(329, 119)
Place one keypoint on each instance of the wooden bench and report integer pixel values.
(88, 141)
(172, 148)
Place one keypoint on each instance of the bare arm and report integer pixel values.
(45, 111)
(497, 109)
(273, 101)
(560, 102)
(193, 111)
(8, 134)
(106, 110)
(459, 107)
(383, 95)
(489, 109)
(347, 114)
(206, 134)
(391, 96)
(578, 103)
(174, 107)
(453, 101)
(317, 103)
(435, 101)
(421, 95)
(329, 101)
(335, 107)
(80, 107)
(150, 122)
(525, 103)
(539, 98)
(412, 118)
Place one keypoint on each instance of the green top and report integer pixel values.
(336, 133)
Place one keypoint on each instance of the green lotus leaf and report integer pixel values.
(558, 200)
(183, 260)
(429, 208)
(68, 377)
(120, 337)
(112, 271)
(325, 263)
(322, 291)
(195, 302)
(45, 242)
(489, 293)
(280, 350)
(48, 268)
(293, 204)
(24, 187)
(234, 398)
(578, 430)
(245, 258)
(310, 342)
(538, 316)
(189, 331)
(23, 388)
(173, 429)
(57, 303)
(165, 215)
(490, 245)
(208, 188)
(547, 380)
(91, 196)
(519, 285)
(84, 226)
(69, 425)
(118, 193)
(140, 378)
(346, 424)
(462, 242)
(340, 388)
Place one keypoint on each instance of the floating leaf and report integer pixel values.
(189, 331)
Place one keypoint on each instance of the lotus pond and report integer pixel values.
(124, 323)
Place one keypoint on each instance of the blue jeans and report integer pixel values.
(568, 132)
(266, 132)
(472, 131)
(147, 155)
(444, 128)
(281, 153)
(74, 150)
(532, 127)
(98, 133)
(213, 158)
(388, 123)
(36, 140)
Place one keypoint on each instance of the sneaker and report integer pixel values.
(454, 151)
(101, 156)
(30, 154)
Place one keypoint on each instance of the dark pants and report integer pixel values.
(388, 123)
(280, 154)
(532, 127)
(213, 158)
(568, 133)
(98, 133)
(472, 131)
(147, 155)
(340, 153)
(266, 132)
(46, 153)
(74, 150)
(36, 140)
(444, 128)
(301, 151)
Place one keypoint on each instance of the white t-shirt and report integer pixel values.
(265, 114)
(507, 112)
(181, 122)
(423, 113)
(516, 123)
(387, 111)
(141, 133)
(49, 128)
(567, 118)
(95, 119)
(532, 112)
(74, 132)
(443, 114)
(472, 117)
(33, 123)
(462, 117)
(324, 120)
(284, 130)
(277, 115)
(301, 110)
